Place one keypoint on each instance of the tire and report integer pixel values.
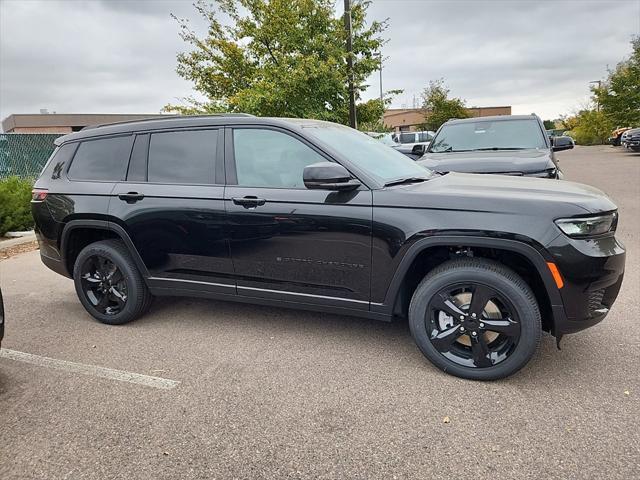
(108, 283)
(506, 330)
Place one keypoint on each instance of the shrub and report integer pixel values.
(15, 207)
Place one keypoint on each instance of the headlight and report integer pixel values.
(588, 226)
(548, 173)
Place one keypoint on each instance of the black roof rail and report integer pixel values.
(168, 117)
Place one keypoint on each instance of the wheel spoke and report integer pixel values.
(480, 352)
(445, 304)
(103, 268)
(115, 276)
(118, 297)
(89, 278)
(479, 299)
(505, 326)
(443, 340)
(103, 302)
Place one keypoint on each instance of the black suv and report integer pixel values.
(506, 144)
(309, 214)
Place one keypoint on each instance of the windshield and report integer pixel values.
(488, 135)
(381, 162)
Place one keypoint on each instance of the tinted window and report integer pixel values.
(487, 135)
(138, 163)
(59, 158)
(183, 157)
(105, 159)
(407, 138)
(266, 158)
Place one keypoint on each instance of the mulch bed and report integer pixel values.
(17, 249)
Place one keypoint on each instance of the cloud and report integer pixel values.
(113, 56)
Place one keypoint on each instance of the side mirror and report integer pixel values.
(328, 176)
(419, 149)
(561, 143)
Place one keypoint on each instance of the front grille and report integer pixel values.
(595, 300)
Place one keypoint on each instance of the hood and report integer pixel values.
(505, 161)
(501, 193)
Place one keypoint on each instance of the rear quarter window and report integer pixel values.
(59, 160)
(104, 159)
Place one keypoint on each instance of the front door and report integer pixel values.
(172, 208)
(288, 242)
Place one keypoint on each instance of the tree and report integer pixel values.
(284, 58)
(589, 127)
(619, 95)
(549, 124)
(439, 107)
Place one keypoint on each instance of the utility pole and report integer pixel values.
(353, 122)
(381, 94)
(599, 82)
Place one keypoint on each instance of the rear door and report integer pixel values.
(172, 207)
(288, 242)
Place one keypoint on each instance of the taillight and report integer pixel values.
(39, 194)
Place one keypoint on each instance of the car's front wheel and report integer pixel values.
(109, 284)
(476, 319)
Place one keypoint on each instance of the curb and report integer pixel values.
(4, 244)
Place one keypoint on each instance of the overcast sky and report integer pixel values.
(111, 56)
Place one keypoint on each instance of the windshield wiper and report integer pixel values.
(498, 148)
(400, 181)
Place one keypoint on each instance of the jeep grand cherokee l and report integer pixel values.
(506, 144)
(313, 215)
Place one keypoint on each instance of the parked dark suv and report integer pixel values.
(506, 144)
(313, 215)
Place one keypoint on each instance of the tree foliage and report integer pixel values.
(15, 206)
(439, 107)
(284, 58)
(589, 127)
(549, 124)
(619, 95)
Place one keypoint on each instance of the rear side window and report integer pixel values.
(407, 138)
(183, 157)
(101, 160)
(59, 159)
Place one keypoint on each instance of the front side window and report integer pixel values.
(267, 158)
(425, 137)
(183, 157)
(101, 160)
(488, 135)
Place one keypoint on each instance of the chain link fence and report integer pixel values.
(24, 154)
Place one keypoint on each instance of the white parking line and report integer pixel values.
(102, 372)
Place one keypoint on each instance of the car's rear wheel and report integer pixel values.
(476, 319)
(109, 284)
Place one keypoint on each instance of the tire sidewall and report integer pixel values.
(126, 314)
(527, 312)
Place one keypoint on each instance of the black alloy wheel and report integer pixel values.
(475, 318)
(109, 284)
(104, 285)
(473, 325)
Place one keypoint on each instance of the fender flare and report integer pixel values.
(102, 225)
(520, 247)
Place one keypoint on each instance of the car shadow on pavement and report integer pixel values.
(367, 337)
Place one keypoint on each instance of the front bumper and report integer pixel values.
(592, 271)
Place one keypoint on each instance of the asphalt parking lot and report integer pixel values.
(257, 392)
